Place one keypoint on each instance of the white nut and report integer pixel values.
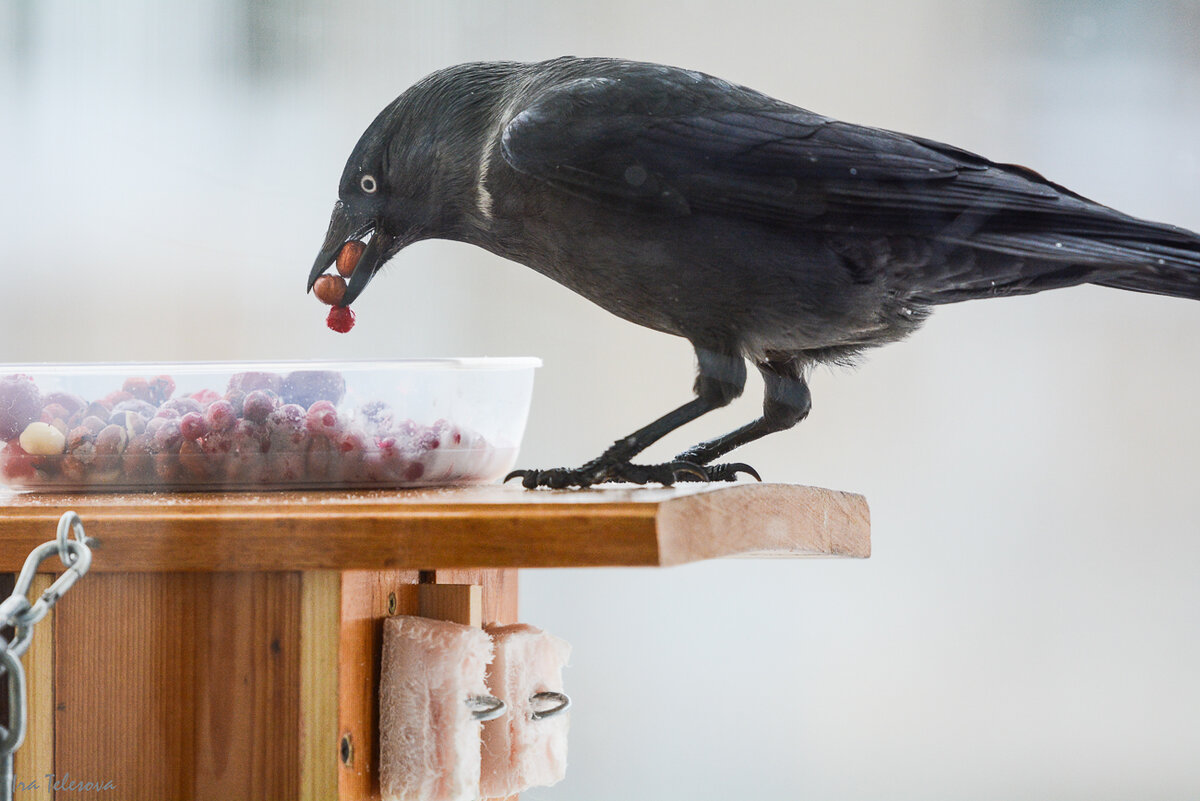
(42, 439)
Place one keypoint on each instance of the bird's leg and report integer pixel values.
(720, 379)
(786, 401)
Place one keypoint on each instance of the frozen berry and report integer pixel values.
(322, 418)
(113, 398)
(193, 426)
(71, 402)
(15, 463)
(182, 406)
(287, 427)
(55, 411)
(194, 462)
(138, 388)
(330, 289)
(248, 382)
(146, 410)
(220, 415)
(378, 415)
(161, 388)
(306, 387)
(340, 319)
(42, 439)
(20, 404)
(319, 461)
(168, 436)
(348, 257)
(258, 405)
(205, 397)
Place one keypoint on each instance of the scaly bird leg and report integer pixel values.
(721, 378)
(786, 401)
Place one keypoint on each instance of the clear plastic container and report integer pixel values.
(260, 425)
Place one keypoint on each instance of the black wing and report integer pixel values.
(654, 142)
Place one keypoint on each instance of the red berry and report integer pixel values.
(205, 396)
(322, 418)
(258, 405)
(306, 387)
(72, 403)
(162, 387)
(15, 463)
(139, 388)
(193, 426)
(248, 382)
(340, 319)
(220, 415)
(20, 404)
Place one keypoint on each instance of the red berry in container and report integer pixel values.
(69, 401)
(113, 398)
(330, 289)
(306, 387)
(55, 413)
(193, 426)
(340, 319)
(139, 388)
(247, 459)
(205, 397)
(348, 257)
(16, 465)
(322, 418)
(250, 381)
(257, 406)
(195, 463)
(161, 388)
(20, 404)
(181, 406)
(319, 462)
(144, 409)
(168, 436)
(287, 427)
(220, 415)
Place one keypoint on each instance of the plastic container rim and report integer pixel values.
(283, 365)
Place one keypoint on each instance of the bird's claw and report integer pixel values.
(725, 472)
(627, 472)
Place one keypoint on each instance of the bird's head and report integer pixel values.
(413, 172)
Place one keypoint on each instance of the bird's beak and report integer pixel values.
(344, 227)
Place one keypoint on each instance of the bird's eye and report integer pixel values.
(367, 182)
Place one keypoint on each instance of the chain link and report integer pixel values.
(17, 611)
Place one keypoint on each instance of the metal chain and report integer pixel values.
(17, 611)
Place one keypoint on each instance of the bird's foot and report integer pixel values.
(602, 471)
(722, 472)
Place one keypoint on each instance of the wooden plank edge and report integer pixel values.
(730, 522)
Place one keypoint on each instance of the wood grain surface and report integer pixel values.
(474, 527)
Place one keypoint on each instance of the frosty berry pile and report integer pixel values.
(262, 430)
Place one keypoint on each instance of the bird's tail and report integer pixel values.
(1131, 254)
(1159, 269)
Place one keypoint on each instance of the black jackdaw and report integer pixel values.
(752, 228)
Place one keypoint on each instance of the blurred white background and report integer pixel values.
(1028, 623)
